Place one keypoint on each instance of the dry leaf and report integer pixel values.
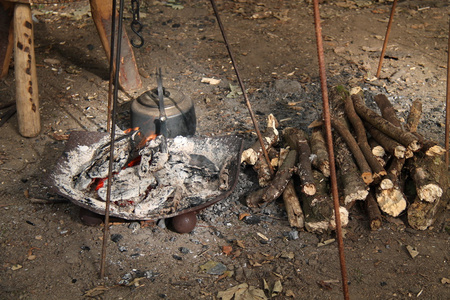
(412, 251)
(95, 291)
(240, 244)
(243, 215)
(227, 249)
(211, 81)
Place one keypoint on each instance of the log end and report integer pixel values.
(367, 177)
(414, 146)
(430, 192)
(343, 214)
(392, 202)
(309, 189)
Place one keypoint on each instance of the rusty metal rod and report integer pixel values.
(113, 132)
(447, 103)
(111, 67)
(241, 84)
(327, 121)
(388, 31)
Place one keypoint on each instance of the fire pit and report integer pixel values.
(162, 179)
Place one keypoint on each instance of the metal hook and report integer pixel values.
(136, 27)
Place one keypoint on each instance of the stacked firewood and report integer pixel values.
(377, 159)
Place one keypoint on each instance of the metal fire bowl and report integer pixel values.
(60, 180)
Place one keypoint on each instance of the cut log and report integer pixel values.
(318, 209)
(352, 187)
(391, 201)
(254, 155)
(415, 113)
(430, 148)
(320, 158)
(374, 213)
(386, 142)
(423, 212)
(426, 173)
(297, 140)
(343, 215)
(364, 168)
(277, 185)
(270, 138)
(292, 206)
(405, 138)
(422, 215)
(387, 110)
(361, 136)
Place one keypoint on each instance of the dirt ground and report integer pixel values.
(47, 253)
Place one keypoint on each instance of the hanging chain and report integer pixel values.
(136, 25)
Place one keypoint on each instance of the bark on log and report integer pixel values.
(405, 138)
(426, 173)
(387, 110)
(297, 140)
(318, 209)
(277, 185)
(386, 142)
(361, 136)
(415, 113)
(373, 211)
(364, 168)
(422, 214)
(270, 138)
(430, 148)
(292, 206)
(320, 159)
(352, 187)
(254, 155)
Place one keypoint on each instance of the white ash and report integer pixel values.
(193, 171)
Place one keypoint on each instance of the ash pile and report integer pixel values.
(163, 178)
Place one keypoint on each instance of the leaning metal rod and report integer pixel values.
(113, 135)
(111, 67)
(447, 103)
(327, 120)
(241, 84)
(388, 31)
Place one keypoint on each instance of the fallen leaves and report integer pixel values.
(242, 292)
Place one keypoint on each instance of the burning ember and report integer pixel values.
(148, 182)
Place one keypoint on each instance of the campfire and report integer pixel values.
(154, 179)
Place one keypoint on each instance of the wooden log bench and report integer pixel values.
(17, 32)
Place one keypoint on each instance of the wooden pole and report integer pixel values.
(6, 36)
(27, 96)
(129, 78)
